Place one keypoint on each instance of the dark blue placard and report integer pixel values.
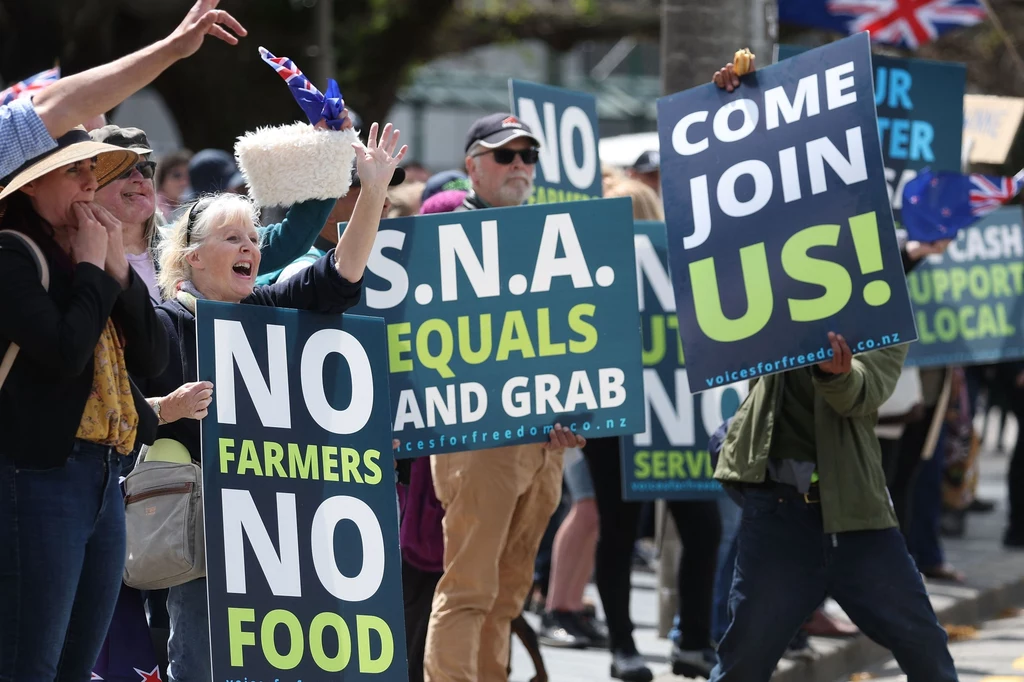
(556, 286)
(303, 567)
(812, 250)
(670, 460)
(920, 106)
(567, 125)
(969, 302)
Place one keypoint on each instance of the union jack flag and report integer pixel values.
(316, 105)
(938, 205)
(990, 193)
(30, 86)
(904, 23)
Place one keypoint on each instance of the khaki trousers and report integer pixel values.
(497, 505)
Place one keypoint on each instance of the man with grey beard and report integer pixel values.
(501, 159)
(497, 501)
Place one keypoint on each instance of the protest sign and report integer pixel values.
(303, 568)
(503, 322)
(670, 459)
(969, 302)
(566, 123)
(779, 226)
(920, 105)
(990, 126)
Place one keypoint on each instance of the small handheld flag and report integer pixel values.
(316, 105)
(30, 86)
(938, 205)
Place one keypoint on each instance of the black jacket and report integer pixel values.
(318, 288)
(42, 401)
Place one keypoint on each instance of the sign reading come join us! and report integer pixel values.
(566, 123)
(503, 322)
(303, 568)
(670, 459)
(779, 226)
(969, 302)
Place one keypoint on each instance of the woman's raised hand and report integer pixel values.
(377, 160)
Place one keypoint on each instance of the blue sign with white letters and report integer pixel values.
(779, 225)
(304, 574)
(920, 106)
(566, 123)
(505, 321)
(670, 459)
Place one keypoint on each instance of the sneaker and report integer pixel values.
(595, 630)
(561, 629)
(630, 667)
(693, 663)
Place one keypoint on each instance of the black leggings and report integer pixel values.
(700, 529)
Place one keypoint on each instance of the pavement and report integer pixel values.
(994, 652)
(995, 583)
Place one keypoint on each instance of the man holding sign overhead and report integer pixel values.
(801, 449)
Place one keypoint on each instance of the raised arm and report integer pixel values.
(77, 98)
(376, 163)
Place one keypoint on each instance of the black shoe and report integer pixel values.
(1013, 538)
(694, 663)
(560, 629)
(981, 506)
(630, 667)
(595, 630)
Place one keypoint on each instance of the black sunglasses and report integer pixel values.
(506, 156)
(146, 168)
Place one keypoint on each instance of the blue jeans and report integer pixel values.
(62, 548)
(787, 564)
(188, 649)
(731, 515)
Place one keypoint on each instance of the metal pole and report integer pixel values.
(325, 42)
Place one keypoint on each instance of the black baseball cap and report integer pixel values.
(648, 162)
(497, 129)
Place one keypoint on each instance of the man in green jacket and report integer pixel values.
(817, 519)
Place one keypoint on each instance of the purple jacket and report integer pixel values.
(420, 534)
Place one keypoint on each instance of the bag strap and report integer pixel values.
(44, 278)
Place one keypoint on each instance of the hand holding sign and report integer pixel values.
(728, 77)
(842, 358)
(561, 438)
(188, 401)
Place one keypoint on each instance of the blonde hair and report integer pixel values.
(405, 199)
(212, 212)
(646, 204)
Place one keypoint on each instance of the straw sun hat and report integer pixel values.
(74, 146)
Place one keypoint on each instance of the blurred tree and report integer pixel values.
(223, 91)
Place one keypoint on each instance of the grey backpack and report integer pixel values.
(163, 509)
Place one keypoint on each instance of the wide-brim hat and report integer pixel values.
(72, 147)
